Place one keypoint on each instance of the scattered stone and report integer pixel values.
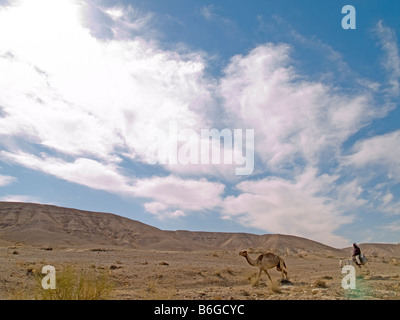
(113, 267)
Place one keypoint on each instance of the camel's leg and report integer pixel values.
(282, 270)
(259, 274)
(268, 275)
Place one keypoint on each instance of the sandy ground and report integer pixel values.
(168, 275)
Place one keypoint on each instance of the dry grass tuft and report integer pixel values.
(72, 284)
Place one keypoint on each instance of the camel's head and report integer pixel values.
(243, 253)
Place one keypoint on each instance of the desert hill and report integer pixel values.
(47, 225)
(234, 241)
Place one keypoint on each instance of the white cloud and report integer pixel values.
(377, 159)
(394, 227)
(208, 12)
(162, 211)
(171, 196)
(295, 120)
(95, 101)
(6, 180)
(304, 207)
(391, 62)
(85, 97)
(128, 21)
(86, 172)
(88, 98)
(300, 125)
(174, 197)
(379, 152)
(389, 204)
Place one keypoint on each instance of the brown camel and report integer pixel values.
(266, 261)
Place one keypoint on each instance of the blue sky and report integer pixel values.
(88, 89)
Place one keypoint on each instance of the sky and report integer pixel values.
(232, 116)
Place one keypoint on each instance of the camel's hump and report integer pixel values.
(267, 255)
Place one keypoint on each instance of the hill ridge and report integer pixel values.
(49, 225)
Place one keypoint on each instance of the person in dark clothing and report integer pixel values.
(357, 255)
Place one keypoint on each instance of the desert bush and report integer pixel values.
(72, 284)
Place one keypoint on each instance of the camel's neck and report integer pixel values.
(250, 260)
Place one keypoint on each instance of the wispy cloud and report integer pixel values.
(296, 120)
(6, 180)
(21, 198)
(208, 12)
(372, 159)
(304, 207)
(66, 106)
(174, 197)
(211, 13)
(394, 227)
(391, 63)
(301, 128)
(87, 172)
(128, 22)
(380, 153)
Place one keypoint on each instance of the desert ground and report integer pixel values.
(196, 275)
(105, 256)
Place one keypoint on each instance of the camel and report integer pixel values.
(266, 261)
